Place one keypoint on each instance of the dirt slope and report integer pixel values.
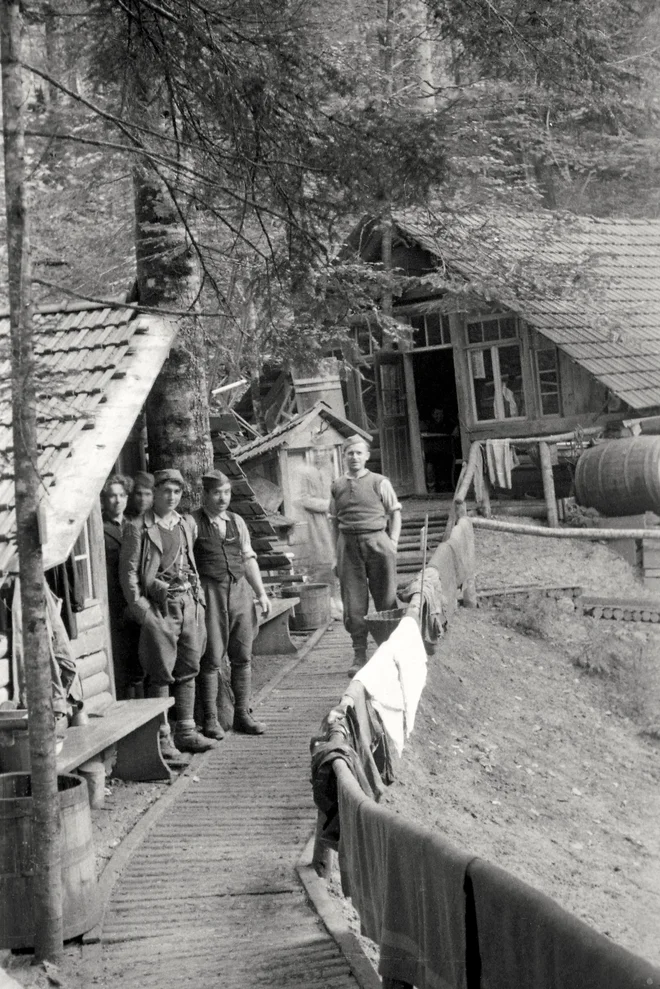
(536, 746)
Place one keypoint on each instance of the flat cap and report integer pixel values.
(352, 440)
(170, 474)
(214, 478)
(143, 479)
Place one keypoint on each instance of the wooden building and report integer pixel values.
(98, 365)
(519, 326)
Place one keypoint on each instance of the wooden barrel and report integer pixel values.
(313, 611)
(620, 477)
(80, 900)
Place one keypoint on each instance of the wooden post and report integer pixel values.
(548, 484)
(46, 865)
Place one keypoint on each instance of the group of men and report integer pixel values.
(182, 588)
(187, 586)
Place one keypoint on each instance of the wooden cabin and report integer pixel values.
(101, 364)
(512, 355)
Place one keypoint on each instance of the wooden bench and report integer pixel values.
(273, 637)
(130, 725)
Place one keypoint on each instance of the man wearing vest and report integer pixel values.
(230, 576)
(161, 585)
(362, 506)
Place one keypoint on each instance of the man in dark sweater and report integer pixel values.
(161, 585)
(362, 506)
(230, 576)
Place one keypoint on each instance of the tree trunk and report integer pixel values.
(177, 408)
(47, 876)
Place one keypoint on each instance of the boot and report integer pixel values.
(169, 751)
(241, 683)
(186, 736)
(208, 694)
(359, 659)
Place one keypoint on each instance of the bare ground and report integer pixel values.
(537, 741)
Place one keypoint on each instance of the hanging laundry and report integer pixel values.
(501, 459)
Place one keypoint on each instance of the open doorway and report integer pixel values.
(437, 406)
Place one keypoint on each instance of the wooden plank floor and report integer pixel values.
(211, 898)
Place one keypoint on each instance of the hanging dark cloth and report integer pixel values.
(65, 583)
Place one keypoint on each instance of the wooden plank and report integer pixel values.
(461, 375)
(122, 718)
(91, 615)
(417, 455)
(97, 683)
(97, 550)
(89, 641)
(5, 673)
(97, 662)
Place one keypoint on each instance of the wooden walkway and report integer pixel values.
(211, 897)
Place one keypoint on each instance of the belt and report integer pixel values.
(361, 532)
(184, 589)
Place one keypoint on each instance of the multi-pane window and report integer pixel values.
(496, 368)
(392, 389)
(547, 372)
(430, 330)
(82, 563)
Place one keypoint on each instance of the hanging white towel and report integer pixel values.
(501, 459)
(394, 678)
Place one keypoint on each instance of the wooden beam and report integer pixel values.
(419, 477)
(548, 484)
(565, 533)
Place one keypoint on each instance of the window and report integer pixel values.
(367, 337)
(430, 330)
(82, 563)
(547, 375)
(496, 368)
(393, 389)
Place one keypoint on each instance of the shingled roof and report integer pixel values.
(608, 320)
(278, 436)
(97, 365)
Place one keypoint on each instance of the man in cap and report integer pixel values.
(230, 576)
(363, 504)
(161, 585)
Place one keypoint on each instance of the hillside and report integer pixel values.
(537, 741)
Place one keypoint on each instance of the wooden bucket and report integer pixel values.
(620, 477)
(80, 900)
(313, 611)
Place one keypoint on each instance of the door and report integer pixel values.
(395, 446)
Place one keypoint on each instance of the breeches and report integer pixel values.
(231, 624)
(171, 645)
(366, 563)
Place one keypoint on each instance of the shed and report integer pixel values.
(98, 365)
(281, 457)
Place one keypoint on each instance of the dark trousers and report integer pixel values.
(231, 627)
(366, 563)
(171, 645)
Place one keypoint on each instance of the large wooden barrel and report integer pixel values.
(313, 611)
(620, 477)
(80, 901)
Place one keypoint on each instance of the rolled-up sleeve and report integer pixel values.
(244, 540)
(389, 499)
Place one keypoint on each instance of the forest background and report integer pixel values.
(207, 158)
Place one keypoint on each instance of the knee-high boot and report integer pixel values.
(207, 686)
(186, 736)
(241, 684)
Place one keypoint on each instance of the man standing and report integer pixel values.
(141, 498)
(230, 576)
(362, 506)
(161, 584)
